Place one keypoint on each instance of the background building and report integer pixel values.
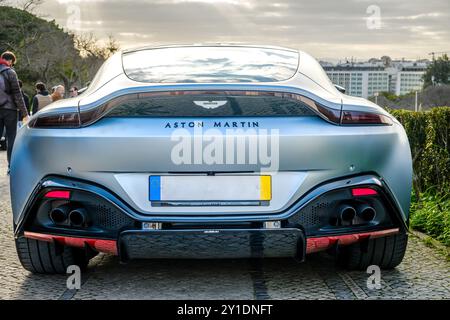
(364, 79)
(409, 76)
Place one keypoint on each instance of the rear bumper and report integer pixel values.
(118, 229)
(55, 182)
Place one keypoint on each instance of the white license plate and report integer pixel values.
(210, 188)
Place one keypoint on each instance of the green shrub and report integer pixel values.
(432, 216)
(429, 137)
(428, 134)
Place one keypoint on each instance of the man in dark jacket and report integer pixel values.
(11, 100)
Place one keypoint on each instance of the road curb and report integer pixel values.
(428, 240)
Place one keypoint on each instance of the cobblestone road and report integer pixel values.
(424, 274)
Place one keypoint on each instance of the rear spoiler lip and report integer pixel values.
(328, 114)
(210, 87)
(331, 112)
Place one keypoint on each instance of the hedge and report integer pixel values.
(429, 137)
(432, 216)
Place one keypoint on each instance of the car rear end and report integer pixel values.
(272, 163)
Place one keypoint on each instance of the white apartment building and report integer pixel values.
(367, 78)
(360, 83)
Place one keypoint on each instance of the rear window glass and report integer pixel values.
(210, 106)
(210, 65)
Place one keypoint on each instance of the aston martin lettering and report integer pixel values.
(178, 125)
(215, 124)
(237, 124)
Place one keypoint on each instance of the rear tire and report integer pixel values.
(385, 252)
(47, 258)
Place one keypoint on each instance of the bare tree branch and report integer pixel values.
(30, 5)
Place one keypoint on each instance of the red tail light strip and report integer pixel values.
(316, 244)
(58, 194)
(359, 192)
(105, 246)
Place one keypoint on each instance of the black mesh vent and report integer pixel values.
(108, 217)
(312, 215)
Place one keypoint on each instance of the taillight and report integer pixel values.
(358, 118)
(346, 117)
(58, 194)
(332, 115)
(360, 192)
(56, 120)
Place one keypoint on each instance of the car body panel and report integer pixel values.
(319, 155)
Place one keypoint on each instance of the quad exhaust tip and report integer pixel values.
(59, 214)
(366, 212)
(63, 215)
(78, 217)
(363, 212)
(347, 213)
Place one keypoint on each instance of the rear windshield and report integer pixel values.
(210, 65)
(215, 105)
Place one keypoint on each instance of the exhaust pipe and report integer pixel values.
(59, 214)
(346, 213)
(366, 212)
(78, 217)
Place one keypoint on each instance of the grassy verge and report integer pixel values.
(431, 215)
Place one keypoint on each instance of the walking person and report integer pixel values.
(41, 99)
(11, 100)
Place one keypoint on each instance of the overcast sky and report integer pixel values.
(326, 29)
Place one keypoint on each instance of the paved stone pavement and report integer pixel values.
(424, 274)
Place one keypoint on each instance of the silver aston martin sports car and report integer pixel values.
(218, 151)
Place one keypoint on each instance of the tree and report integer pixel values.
(30, 5)
(437, 72)
(47, 53)
(92, 55)
(387, 61)
(26, 5)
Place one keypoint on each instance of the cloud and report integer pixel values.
(409, 28)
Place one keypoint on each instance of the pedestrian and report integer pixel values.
(58, 94)
(11, 100)
(41, 99)
(26, 99)
(73, 92)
